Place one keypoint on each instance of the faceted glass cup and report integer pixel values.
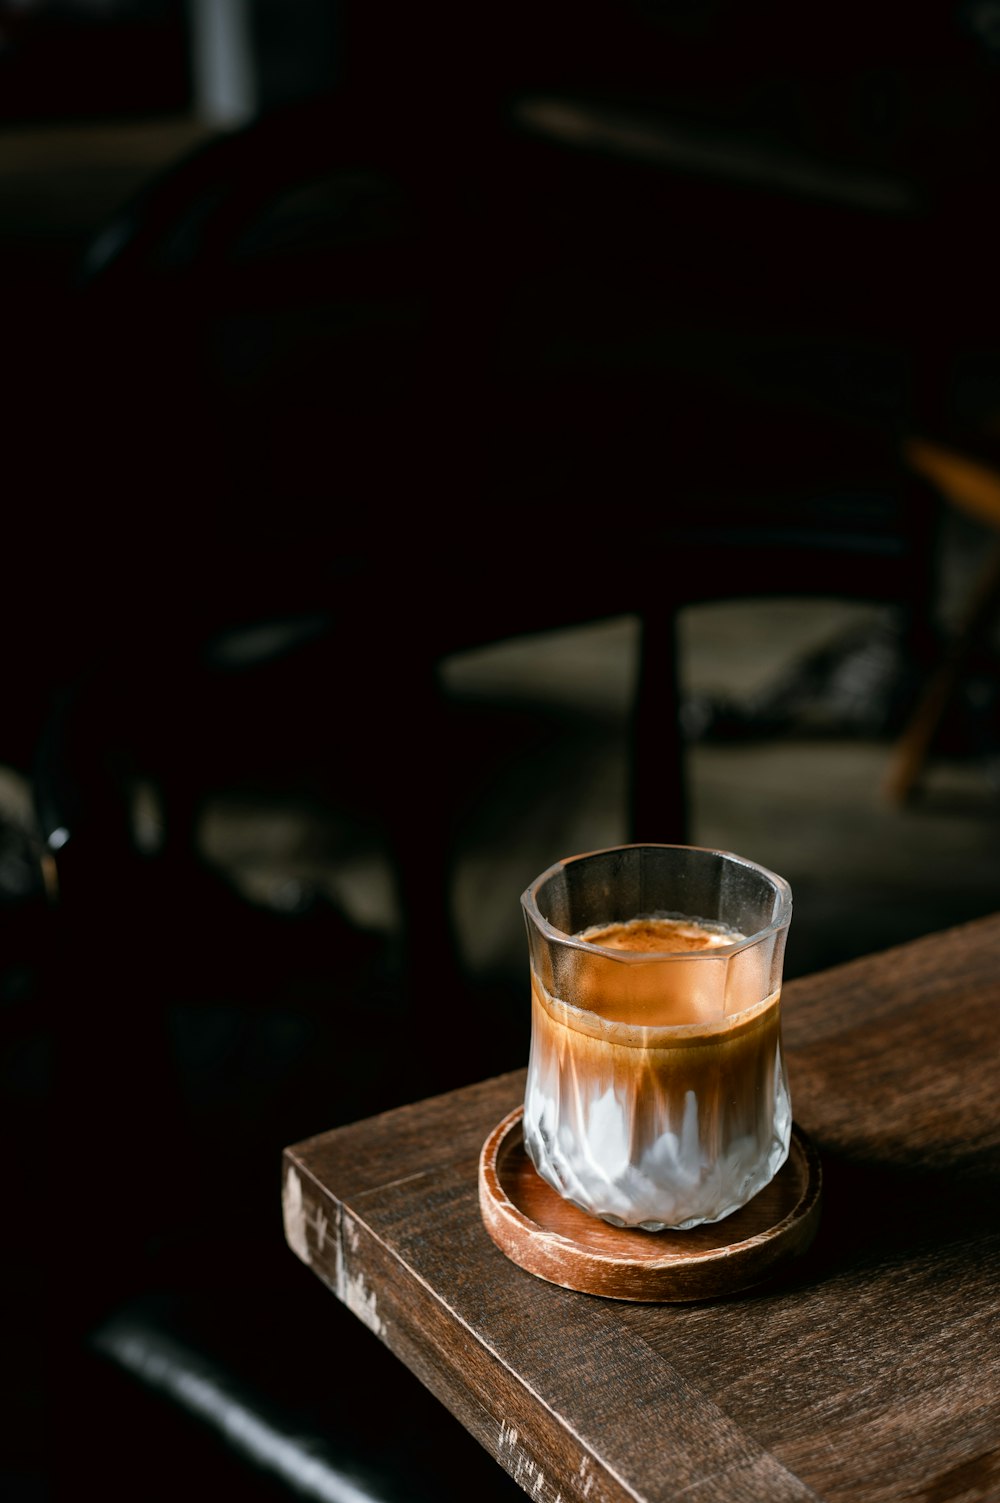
(657, 1094)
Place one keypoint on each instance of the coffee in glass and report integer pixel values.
(657, 1093)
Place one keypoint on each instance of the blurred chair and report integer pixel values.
(972, 486)
(351, 397)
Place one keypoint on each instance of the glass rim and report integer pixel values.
(529, 903)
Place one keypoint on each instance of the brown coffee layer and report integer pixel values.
(656, 971)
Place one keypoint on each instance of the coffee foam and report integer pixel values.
(659, 935)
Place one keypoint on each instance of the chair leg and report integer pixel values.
(658, 799)
(911, 750)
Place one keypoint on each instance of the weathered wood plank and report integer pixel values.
(547, 1383)
(870, 1372)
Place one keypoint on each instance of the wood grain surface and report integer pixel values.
(868, 1372)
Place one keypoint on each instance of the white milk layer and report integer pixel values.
(670, 1128)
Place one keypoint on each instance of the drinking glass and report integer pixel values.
(657, 1094)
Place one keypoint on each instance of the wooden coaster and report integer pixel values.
(546, 1235)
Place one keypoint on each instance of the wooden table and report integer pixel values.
(868, 1372)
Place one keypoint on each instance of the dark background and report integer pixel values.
(370, 398)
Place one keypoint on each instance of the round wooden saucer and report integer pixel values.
(546, 1235)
